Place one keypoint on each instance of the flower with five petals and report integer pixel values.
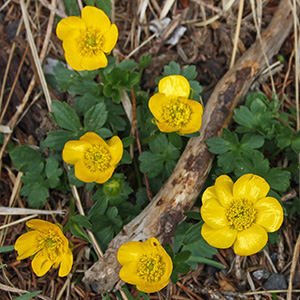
(95, 160)
(171, 108)
(239, 214)
(88, 39)
(48, 246)
(146, 265)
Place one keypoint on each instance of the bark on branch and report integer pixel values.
(162, 216)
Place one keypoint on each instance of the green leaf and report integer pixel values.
(244, 116)
(182, 256)
(82, 221)
(172, 69)
(218, 145)
(35, 190)
(127, 141)
(189, 72)
(76, 230)
(64, 116)
(278, 179)
(203, 260)
(83, 103)
(105, 5)
(145, 61)
(151, 163)
(126, 158)
(7, 248)
(28, 296)
(128, 65)
(27, 159)
(56, 139)
(175, 139)
(193, 234)
(228, 160)
(231, 137)
(159, 144)
(193, 215)
(52, 168)
(95, 117)
(296, 143)
(285, 137)
(82, 87)
(250, 140)
(98, 208)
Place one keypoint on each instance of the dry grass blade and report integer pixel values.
(37, 61)
(237, 33)
(19, 291)
(16, 211)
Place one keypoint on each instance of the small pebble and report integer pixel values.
(276, 282)
(261, 274)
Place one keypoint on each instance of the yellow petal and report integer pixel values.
(219, 238)
(209, 193)
(26, 245)
(130, 251)
(110, 39)
(41, 263)
(83, 173)
(68, 24)
(156, 102)
(104, 176)
(174, 86)
(74, 151)
(74, 61)
(196, 117)
(213, 214)
(116, 149)
(269, 214)
(153, 287)
(165, 127)
(70, 42)
(40, 225)
(66, 263)
(95, 17)
(251, 240)
(93, 138)
(251, 187)
(129, 274)
(94, 62)
(223, 188)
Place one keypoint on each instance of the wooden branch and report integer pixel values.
(162, 216)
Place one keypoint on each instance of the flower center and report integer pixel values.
(241, 214)
(151, 267)
(90, 41)
(97, 158)
(51, 242)
(176, 113)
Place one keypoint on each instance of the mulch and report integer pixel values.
(209, 48)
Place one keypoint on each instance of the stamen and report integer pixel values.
(241, 214)
(176, 113)
(151, 267)
(97, 158)
(51, 243)
(90, 42)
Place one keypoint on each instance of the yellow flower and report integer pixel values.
(172, 109)
(239, 214)
(94, 159)
(49, 246)
(86, 40)
(146, 265)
